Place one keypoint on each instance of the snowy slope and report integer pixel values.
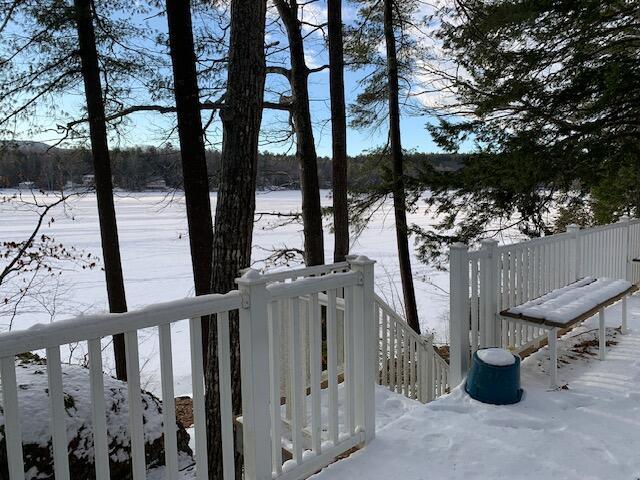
(591, 430)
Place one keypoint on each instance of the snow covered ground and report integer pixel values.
(156, 262)
(588, 430)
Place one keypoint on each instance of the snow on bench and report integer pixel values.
(567, 306)
(562, 306)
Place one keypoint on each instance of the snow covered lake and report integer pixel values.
(157, 266)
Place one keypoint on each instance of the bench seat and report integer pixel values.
(570, 305)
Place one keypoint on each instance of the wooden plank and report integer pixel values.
(392, 354)
(315, 364)
(474, 306)
(296, 379)
(349, 362)
(168, 402)
(226, 407)
(98, 410)
(58, 414)
(384, 365)
(332, 365)
(13, 430)
(274, 369)
(197, 386)
(134, 390)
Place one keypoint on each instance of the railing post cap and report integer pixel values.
(360, 260)
(625, 218)
(251, 277)
(573, 226)
(459, 246)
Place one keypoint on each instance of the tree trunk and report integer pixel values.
(305, 145)
(102, 172)
(232, 239)
(192, 150)
(338, 132)
(399, 200)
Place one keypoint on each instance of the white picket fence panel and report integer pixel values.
(493, 278)
(407, 362)
(264, 304)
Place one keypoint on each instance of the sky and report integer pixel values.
(151, 128)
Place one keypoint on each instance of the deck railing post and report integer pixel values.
(254, 367)
(366, 342)
(576, 249)
(489, 289)
(459, 312)
(628, 263)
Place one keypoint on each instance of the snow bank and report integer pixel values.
(566, 303)
(498, 357)
(31, 375)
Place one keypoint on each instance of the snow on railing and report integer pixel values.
(407, 362)
(493, 278)
(91, 329)
(264, 304)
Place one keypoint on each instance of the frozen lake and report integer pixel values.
(156, 261)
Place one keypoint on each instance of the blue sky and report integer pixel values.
(151, 128)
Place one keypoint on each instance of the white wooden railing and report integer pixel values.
(407, 362)
(488, 280)
(264, 304)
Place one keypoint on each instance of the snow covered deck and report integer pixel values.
(588, 430)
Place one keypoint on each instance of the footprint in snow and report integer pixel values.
(451, 408)
(525, 423)
(436, 441)
(572, 401)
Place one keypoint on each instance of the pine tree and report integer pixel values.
(102, 171)
(547, 98)
(305, 145)
(384, 23)
(241, 118)
(192, 151)
(338, 131)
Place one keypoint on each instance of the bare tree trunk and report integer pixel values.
(102, 172)
(305, 145)
(338, 132)
(399, 197)
(232, 239)
(192, 150)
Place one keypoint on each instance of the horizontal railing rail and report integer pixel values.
(102, 325)
(317, 270)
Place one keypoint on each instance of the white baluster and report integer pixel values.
(13, 430)
(168, 402)
(136, 430)
(58, 415)
(98, 412)
(197, 387)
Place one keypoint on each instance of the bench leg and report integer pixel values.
(623, 329)
(553, 357)
(602, 333)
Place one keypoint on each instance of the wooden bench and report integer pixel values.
(546, 313)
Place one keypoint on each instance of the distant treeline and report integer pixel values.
(143, 168)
